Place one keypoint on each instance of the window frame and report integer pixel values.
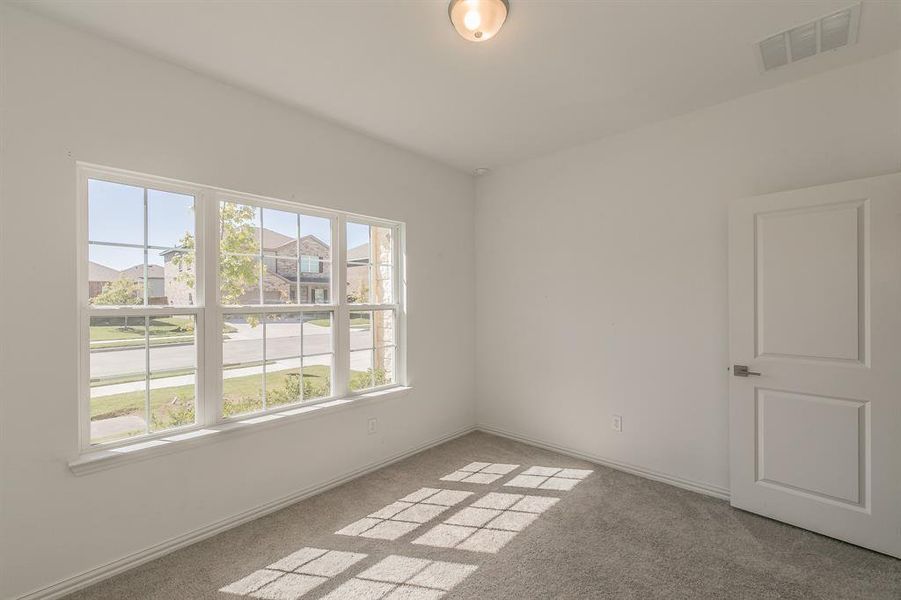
(373, 307)
(209, 312)
(222, 310)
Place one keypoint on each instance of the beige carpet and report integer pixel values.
(483, 517)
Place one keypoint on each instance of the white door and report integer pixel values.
(815, 309)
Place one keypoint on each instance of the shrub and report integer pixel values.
(175, 414)
(360, 380)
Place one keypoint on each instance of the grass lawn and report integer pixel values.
(245, 389)
(130, 403)
(126, 328)
(358, 322)
(101, 381)
(122, 332)
(139, 342)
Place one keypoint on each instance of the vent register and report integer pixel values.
(822, 35)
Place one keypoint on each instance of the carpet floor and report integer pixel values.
(483, 517)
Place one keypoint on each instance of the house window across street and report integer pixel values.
(310, 264)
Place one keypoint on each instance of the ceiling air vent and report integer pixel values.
(827, 33)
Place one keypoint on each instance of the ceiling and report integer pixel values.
(558, 74)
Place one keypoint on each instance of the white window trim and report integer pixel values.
(101, 458)
(209, 313)
(394, 306)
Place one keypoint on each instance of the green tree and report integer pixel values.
(120, 292)
(360, 294)
(238, 249)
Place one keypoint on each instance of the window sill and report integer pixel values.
(95, 460)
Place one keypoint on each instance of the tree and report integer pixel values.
(239, 248)
(358, 293)
(120, 292)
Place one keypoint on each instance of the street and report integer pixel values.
(244, 346)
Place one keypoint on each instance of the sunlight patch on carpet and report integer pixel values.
(294, 575)
(549, 478)
(403, 578)
(488, 524)
(480, 472)
(405, 515)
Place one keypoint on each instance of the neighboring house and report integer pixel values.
(367, 279)
(98, 276)
(101, 275)
(358, 261)
(168, 284)
(280, 281)
(156, 285)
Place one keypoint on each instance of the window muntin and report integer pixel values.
(206, 343)
(142, 374)
(113, 415)
(371, 281)
(142, 364)
(263, 252)
(137, 238)
(270, 256)
(372, 349)
(275, 359)
(370, 264)
(172, 364)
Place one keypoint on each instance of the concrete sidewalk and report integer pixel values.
(168, 382)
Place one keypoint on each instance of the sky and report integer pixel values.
(116, 214)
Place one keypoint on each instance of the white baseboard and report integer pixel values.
(686, 484)
(92, 576)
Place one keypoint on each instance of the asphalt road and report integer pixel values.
(243, 347)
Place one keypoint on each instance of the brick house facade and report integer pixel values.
(281, 283)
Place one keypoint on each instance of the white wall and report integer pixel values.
(601, 270)
(600, 277)
(69, 96)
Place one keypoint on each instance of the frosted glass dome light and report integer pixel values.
(478, 20)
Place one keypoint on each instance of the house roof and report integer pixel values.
(98, 272)
(309, 236)
(274, 239)
(359, 253)
(137, 271)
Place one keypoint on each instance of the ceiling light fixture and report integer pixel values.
(478, 20)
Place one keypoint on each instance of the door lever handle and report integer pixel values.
(742, 371)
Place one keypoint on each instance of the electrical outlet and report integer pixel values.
(616, 423)
(372, 426)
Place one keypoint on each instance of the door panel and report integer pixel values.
(815, 308)
(809, 281)
(812, 444)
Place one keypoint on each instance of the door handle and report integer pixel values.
(742, 371)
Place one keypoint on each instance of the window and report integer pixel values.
(277, 356)
(142, 342)
(370, 285)
(201, 305)
(310, 264)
